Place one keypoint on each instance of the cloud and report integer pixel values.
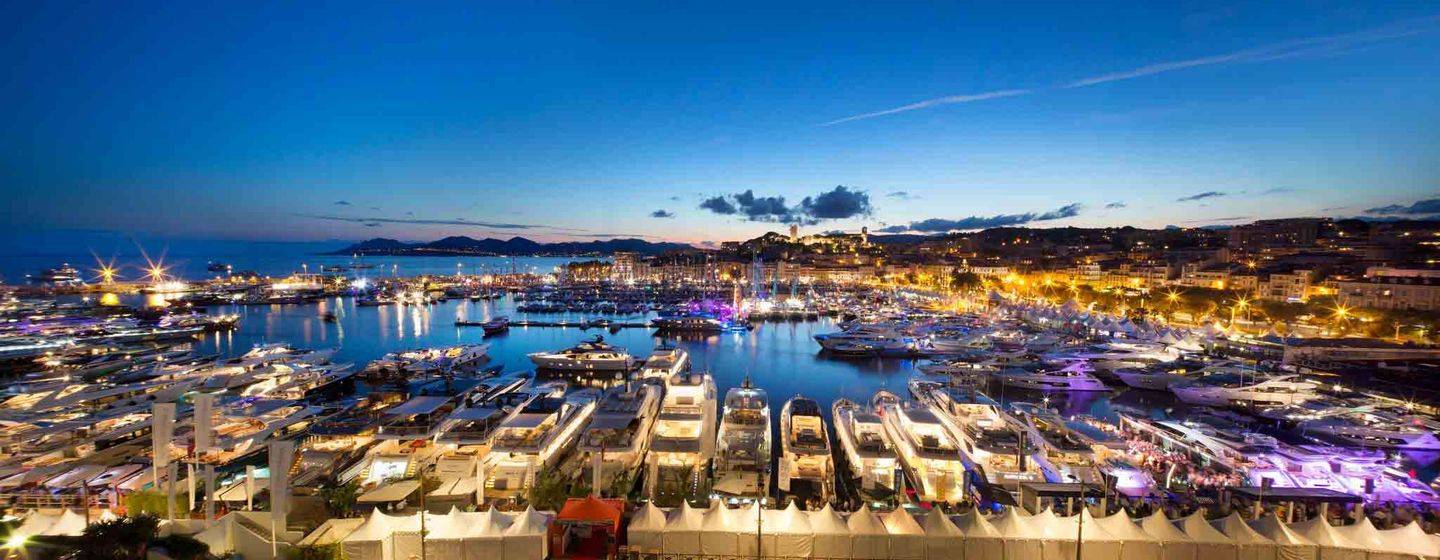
(1299, 48)
(1427, 206)
(936, 102)
(372, 224)
(902, 195)
(718, 205)
(1277, 190)
(1200, 196)
(1115, 205)
(662, 214)
(342, 203)
(936, 225)
(838, 203)
(422, 221)
(375, 208)
(675, 199)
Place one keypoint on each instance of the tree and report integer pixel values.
(153, 503)
(964, 281)
(340, 498)
(125, 538)
(183, 547)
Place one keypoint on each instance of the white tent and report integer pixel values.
(719, 535)
(1413, 539)
(445, 536)
(1333, 544)
(70, 524)
(1249, 544)
(405, 538)
(982, 539)
(1136, 544)
(1174, 543)
(682, 531)
(787, 533)
(36, 523)
(1022, 541)
(943, 540)
(1210, 543)
(645, 529)
(370, 541)
(832, 537)
(868, 538)
(907, 539)
(525, 538)
(483, 534)
(1289, 545)
(1365, 536)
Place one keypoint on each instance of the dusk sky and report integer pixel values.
(691, 122)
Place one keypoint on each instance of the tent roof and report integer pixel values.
(1317, 530)
(1199, 530)
(789, 520)
(898, 522)
(591, 509)
(70, 524)
(392, 492)
(1272, 528)
(1239, 531)
(1413, 539)
(1119, 526)
(531, 522)
(827, 522)
(332, 531)
(936, 524)
(972, 524)
(865, 522)
(649, 518)
(1160, 527)
(685, 518)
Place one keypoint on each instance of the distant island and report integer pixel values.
(515, 246)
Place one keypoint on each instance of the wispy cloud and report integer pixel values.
(938, 101)
(342, 203)
(1200, 196)
(373, 222)
(1328, 45)
(662, 214)
(935, 225)
(1299, 48)
(1115, 205)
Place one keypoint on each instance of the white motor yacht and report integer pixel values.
(683, 441)
(881, 339)
(1074, 377)
(665, 362)
(1365, 427)
(742, 448)
(805, 450)
(591, 355)
(1245, 390)
(1160, 376)
(870, 456)
(990, 440)
(614, 444)
(926, 448)
(534, 440)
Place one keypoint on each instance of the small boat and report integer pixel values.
(805, 450)
(496, 326)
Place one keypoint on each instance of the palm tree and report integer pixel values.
(125, 538)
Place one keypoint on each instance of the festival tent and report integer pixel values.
(1413, 538)
(943, 540)
(36, 523)
(720, 533)
(445, 536)
(1021, 540)
(787, 533)
(1210, 543)
(1249, 544)
(1333, 544)
(483, 537)
(832, 536)
(646, 528)
(682, 531)
(1379, 545)
(70, 524)
(1136, 544)
(982, 539)
(586, 527)
(907, 539)
(373, 539)
(525, 538)
(1289, 545)
(868, 538)
(1174, 543)
(1060, 534)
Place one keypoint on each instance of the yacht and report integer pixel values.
(420, 417)
(1114, 355)
(1160, 376)
(476, 423)
(1074, 377)
(614, 444)
(956, 343)
(665, 363)
(591, 355)
(247, 427)
(63, 275)
(989, 439)
(742, 448)
(534, 440)
(805, 450)
(683, 442)
(693, 322)
(927, 450)
(1240, 390)
(1064, 456)
(869, 455)
(1365, 427)
(496, 326)
(878, 339)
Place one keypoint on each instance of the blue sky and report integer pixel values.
(319, 121)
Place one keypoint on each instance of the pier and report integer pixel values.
(564, 324)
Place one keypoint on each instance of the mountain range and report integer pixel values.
(461, 245)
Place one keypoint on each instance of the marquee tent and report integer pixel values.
(525, 538)
(1378, 544)
(1289, 544)
(943, 540)
(1249, 545)
(868, 538)
(907, 539)
(787, 533)
(1333, 544)
(682, 531)
(1210, 543)
(832, 535)
(1136, 544)
(1174, 543)
(646, 529)
(1413, 539)
(982, 539)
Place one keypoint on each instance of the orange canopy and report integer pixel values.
(592, 510)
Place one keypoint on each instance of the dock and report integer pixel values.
(564, 324)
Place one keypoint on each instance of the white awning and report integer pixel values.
(390, 492)
(418, 405)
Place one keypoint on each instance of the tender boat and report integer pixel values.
(805, 451)
(592, 355)
(683, 442)
(869, 455)
(742, 459)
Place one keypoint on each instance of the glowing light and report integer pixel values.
(16, 540)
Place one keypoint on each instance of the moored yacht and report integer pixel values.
(477, 423)
(926, 448)
(665, 362)
(876, 339)
(1074, 377)
(1241, 390)
(591, 355)
(990, 440)
(742, 454)
(534, 440)
(805, 451)
(1363, 427)
(683, 441)
(1160, 376)
(613, 445)
(869, 454)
